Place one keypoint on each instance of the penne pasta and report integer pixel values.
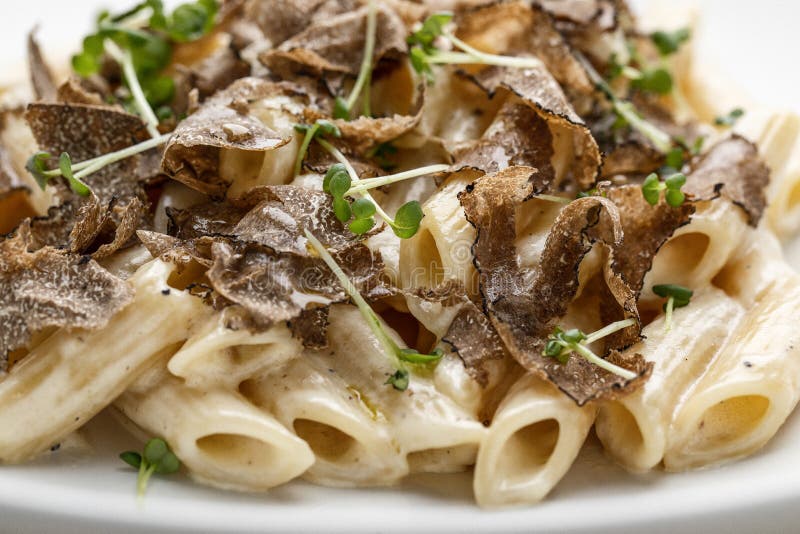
(71, 376)
(535, 436)
(223, 440)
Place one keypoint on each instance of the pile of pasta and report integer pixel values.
(183, 293)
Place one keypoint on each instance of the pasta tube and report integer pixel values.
(71, 376)
(222, 439)
(532, 442)
(634, 429)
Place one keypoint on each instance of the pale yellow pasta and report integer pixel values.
(217, 356)
(634, 429)
(748, 391)
(247, 169)
(71, 376)
(222, 439)
(441, 249)
(694, 255)
(362, 431)
(535, 436)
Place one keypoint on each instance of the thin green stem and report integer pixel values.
(668, 312)
(354, 179)
(493, 59)
(366, 62)
(660, 139)
(301, 154)
(371, 183)
(124, 58)
(593, 358)
(372, 319)
(95, 164)
(145, 472)
(608, 330)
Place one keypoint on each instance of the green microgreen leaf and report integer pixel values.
(730, 119)
(37, 166)
(381, 153)
(340, 109)
(560, 344)
(668, 43)
(133, 459)
(328, 128)
(412, 356)
(431, 28)
(337, 180)
(407, 219)
(77, 186)
(674, 159)
(156, 458)
(341, 209)
(363, 208)
(651, 189)
(657, 81)
(362, 226)
(399, 380)
(681, 295)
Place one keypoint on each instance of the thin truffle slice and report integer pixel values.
(311, 327)
(518, 136)
(475, 340)
(525, 307)
(524, 28)
(281, 19)
(537, 88)
(42, 80)
(336, 45)
(222, 122)
(85, 132)
(51, 288)
(733, 170)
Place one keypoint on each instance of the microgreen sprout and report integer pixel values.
(399, 380)
(405, 222)
(343, 107)
(426, 49)
(730, 119)
(669, 42)
(142, 40)
(320, 128)
(561, 344)
(75, 173)
(653, 186)
(156, 458)
(627, 112)
(677, 297)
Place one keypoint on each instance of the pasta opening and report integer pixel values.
(618, 429)
(234, 450)
(686, 250)
(413, 333)
(327, 442)
(729, 420)
(181, 279)
(14, 207)
(728, 281)
(428, 270)
(527, 451)
(793, 199)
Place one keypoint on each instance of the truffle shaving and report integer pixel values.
(733, 170)
(51, 288)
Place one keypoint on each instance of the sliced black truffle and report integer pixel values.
(222, 122)
(52, 288)
(732, 169)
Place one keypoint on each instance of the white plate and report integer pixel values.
(68, 492)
